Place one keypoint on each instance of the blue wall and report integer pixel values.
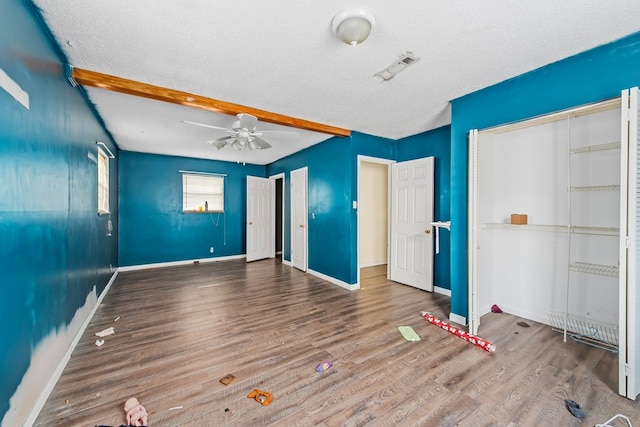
(54, 249)
(435, 143)
(329, 200)
(591, 76)
(153, 228)
(333, 182)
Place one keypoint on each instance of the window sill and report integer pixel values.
(202, 212)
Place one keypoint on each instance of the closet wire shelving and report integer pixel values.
(587, 331)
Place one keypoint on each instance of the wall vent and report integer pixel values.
(398, 65)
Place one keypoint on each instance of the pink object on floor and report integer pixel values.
(136, 414)
(495, 309)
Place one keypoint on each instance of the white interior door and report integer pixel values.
(299, 215)
(473, 230)
(260, 218)
(629, 326)
(411, 218)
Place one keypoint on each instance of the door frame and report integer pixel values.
(378, 160)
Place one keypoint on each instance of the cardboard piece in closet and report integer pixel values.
(519, 219)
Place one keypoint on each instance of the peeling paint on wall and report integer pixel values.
(46, 358)
(14, 89)
(55, 251)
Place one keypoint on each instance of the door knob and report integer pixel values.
(250, 223)
(301, 225)
(427, 231)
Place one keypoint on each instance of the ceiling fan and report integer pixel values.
(243, 134)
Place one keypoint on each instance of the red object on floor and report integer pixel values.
(483, 344)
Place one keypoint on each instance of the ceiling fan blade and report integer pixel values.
(204, 125)
(260, 143)
(221, 142)
(247, 121)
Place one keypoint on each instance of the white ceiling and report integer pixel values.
(283, 58)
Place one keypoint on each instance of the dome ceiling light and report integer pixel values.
(353, 26)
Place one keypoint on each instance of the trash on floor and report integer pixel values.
(575, 408)
(408, 333)
(523, 324)
(609, 422)
(136, 413)
(105, 332)
(496, 309)
(483, 344)
(116, 319)
(262, 397)
(99, 342)
(227, 379)
(323, 366)
(176, 407)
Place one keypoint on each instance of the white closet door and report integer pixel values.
(473, 231)
(629, 328)
(260, 227)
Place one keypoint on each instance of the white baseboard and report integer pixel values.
(372, 263)
(335, 281)
(286, 262)
(536, 317)
(443, 291)
(175, 263)
(55, 376)
(460, 320)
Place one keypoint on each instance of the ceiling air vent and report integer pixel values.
(398, 65)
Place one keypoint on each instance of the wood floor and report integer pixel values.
(181, 329)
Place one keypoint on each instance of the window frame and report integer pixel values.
(199, 200)
(103, 183)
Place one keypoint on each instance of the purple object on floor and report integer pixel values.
(495, 309)
(323, 366)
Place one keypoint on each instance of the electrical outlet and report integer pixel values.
(211, 250)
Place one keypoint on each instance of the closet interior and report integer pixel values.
(563, 259)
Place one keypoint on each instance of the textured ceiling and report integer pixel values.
(282, 57)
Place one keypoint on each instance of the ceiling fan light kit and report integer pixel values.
(353, 25)
(243, 134)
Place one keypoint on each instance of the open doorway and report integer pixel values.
(279, 215)
(373, 212)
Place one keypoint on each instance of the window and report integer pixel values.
(202, 193)
(103, 182)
